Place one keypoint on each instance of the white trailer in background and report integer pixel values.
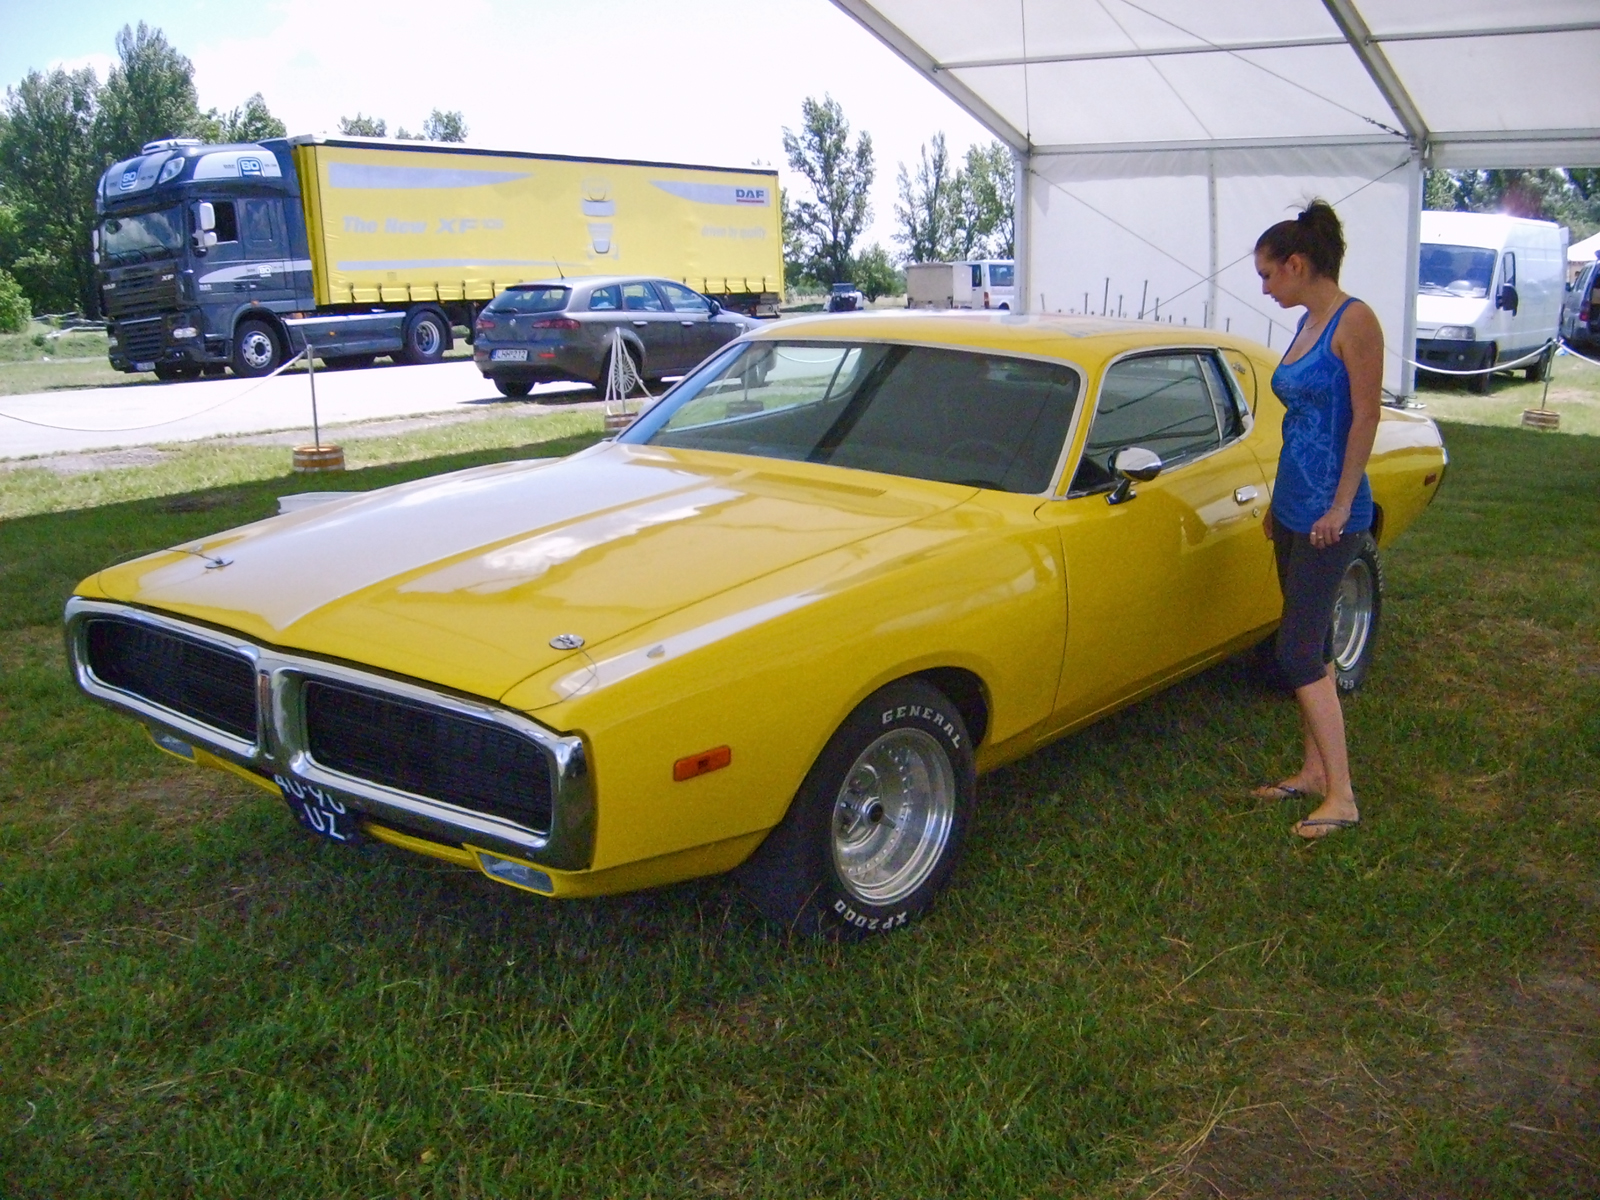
(987, 283)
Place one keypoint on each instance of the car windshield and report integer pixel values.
(530, 300)
(950, 416)
(1464, 271)
(1002, 275)
(141, 237)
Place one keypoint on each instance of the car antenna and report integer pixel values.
(559, 271)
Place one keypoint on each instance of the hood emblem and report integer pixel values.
(566, 641)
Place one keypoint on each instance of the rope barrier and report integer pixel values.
(1505, 366)
(1567, 347)
(157, 425)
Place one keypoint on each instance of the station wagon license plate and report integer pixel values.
(319, 810)
(508, 356)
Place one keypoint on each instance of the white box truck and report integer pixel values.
(1489, 290)
(987, 283)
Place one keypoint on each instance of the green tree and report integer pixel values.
(876, 275)
(149, 95)
(15, 311)
(826, 227)
(445, 127)
(988, 189)
(48, 172)
(928, 206)
(363, 126)
(795, 263)
(252, 122)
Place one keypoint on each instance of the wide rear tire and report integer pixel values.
(426, 337)
(878, 826)
(1357, 611)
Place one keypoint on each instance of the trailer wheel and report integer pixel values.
(256, 351)
(426, 338)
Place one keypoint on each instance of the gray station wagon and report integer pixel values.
(561, 329)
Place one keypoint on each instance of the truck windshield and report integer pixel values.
(1464, 271)
(981, 420)
(141, 237)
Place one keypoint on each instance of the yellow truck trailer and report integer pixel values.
(240, 255)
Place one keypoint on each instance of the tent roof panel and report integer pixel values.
(1507, 83)
(1409, 17)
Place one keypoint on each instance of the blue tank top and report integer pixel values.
(1315, 389)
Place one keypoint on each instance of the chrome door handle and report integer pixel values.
(1244, 494)
(687, 324)
(641, 324)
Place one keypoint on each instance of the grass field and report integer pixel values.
(1574, 393)
(1139, 984)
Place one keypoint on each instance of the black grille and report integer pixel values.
(203, 683)
(141, 340)
(470, 763)
(147, 290)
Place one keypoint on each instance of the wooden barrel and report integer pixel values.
(1541, 418)
(617, 422)
(311, 460)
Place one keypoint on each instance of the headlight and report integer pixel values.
(185, 331)
(1456, 333)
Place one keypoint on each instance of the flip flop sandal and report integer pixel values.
(1279, 791)
(1326, 824)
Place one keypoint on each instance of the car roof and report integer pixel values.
(576, 281)
(1077, 339)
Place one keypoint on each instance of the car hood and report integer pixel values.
(464, 579)
(1434, 311)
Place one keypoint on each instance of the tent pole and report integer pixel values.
(1211, 205)
(1408, 324)
(1022, 225)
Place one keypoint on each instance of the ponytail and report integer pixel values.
(1315, 234)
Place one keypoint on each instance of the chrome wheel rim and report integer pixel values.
(425, 338)
(1352, 615)
(893, 815)
(256, 350)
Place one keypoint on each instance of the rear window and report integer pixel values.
(952, 416)
(530, 300)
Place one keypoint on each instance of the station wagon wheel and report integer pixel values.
(1356, 611)
(878, 825)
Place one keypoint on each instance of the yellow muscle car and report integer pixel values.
(778, 625)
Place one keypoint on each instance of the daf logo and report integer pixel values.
(745, 195)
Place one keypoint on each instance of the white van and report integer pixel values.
(1489, 290)
(987, 283)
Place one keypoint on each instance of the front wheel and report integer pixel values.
(255, 350)
(1481, 384)
(878, 824)
(1356, 612)
(1539, 371)
(425, 339)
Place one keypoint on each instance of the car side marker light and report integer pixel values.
(509, 870)
(701, 764)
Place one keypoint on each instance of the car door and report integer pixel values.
(655, 325)
(701, 334)
(1179, 572)
(266, 250)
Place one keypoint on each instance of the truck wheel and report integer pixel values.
(255, 350)
(879, 823)
(1481, 384)
(514, 388)
(1356, 612)
(425, 339)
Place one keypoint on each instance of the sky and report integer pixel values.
(697, 81)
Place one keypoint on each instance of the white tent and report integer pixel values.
(1155, 139)
(1585, 251)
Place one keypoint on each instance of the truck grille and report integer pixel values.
(142, 290)
(471, 763)
(140, 340)
(201, 682)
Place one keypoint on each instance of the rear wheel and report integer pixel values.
(425, 339)
(1356, 612)
(256, 351)
(514, 387)
(878, 824)
(633, 380)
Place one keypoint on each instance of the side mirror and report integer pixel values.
(1132, 463)
(1506, 298)
(716, 306)
(205, 215)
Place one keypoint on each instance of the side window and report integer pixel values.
(1159, 401)
(640, 297)
(227, 221)
(606, 299)
(684, 300)
(1232, 411)
(261, 228)
(977, 275)
(1510, 269)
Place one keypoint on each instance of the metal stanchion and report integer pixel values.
(316, 458)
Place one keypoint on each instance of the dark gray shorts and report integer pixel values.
(1310, 581)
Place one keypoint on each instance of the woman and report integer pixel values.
(1330, 381)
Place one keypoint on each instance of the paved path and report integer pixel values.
(102, 418)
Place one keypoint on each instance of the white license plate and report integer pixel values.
(509, 356)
